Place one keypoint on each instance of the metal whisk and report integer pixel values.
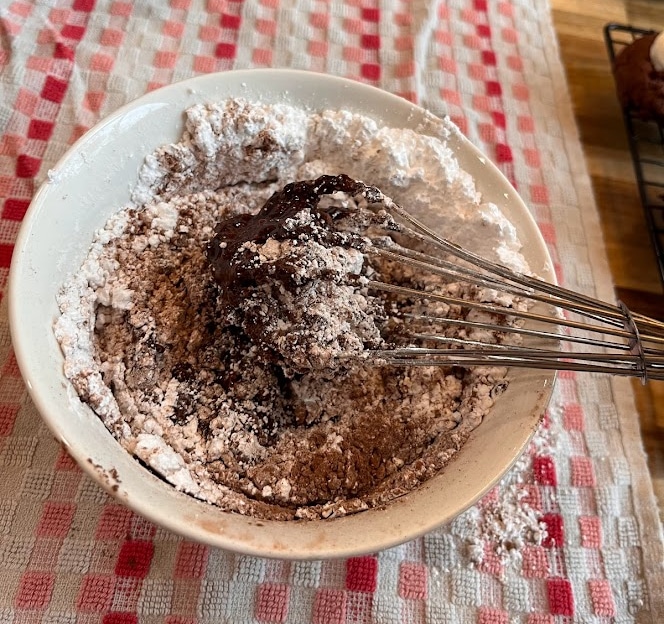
(612, 339)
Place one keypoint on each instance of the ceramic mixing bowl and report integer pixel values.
(93, 180)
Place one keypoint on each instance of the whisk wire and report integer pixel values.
(628, 343)
(494, 309)
(563, 294)
(512, 329)
(448, 269)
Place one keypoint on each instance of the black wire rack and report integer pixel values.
(646, 144)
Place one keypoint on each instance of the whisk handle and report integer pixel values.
(635, 344)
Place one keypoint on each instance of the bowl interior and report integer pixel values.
(93, 180)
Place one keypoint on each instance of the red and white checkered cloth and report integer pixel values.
(68, 553)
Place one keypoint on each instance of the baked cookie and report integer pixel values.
(639, 76)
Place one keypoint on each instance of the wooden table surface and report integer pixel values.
(579, 25)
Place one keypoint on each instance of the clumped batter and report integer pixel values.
(294, 276)
(233, 366)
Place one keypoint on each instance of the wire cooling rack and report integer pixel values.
(646, 143)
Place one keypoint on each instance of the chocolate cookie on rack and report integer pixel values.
(639, 76)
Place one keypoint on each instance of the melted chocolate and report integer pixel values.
(270, 222)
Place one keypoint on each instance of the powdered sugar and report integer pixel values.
(185, 385)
